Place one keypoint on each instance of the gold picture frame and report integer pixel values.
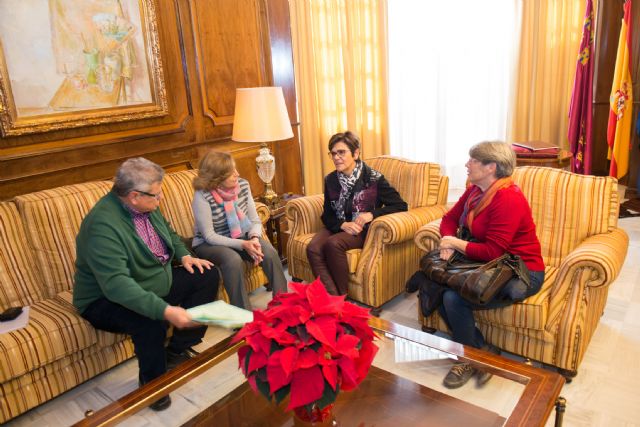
(66, 64)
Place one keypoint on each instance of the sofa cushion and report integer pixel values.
(417, 182)
(567, 208)
(531, 313)
(104, 338)
(177, 189)
(52, 220)
(19, 284)
(55, 330)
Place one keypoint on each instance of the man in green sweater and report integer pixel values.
(125, 281)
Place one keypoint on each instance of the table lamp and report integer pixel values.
(261, 116)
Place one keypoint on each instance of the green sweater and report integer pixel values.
(115, 263)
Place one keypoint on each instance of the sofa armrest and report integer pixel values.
(263, 212)
(391, 229)
(428, 236)
(402, 226)
(597, 260)
(304, 213)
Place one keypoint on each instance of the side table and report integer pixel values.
(562, 161)
(276, 229)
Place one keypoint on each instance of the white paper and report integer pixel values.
(221, 314)
(17, 323)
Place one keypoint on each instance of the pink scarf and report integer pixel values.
(228, 199)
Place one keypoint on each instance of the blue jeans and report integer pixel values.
(457, 312)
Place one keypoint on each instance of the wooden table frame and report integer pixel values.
(541, 387)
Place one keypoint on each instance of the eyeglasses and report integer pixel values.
(338, 153)
(155, 196)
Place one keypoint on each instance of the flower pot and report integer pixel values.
(316, 418)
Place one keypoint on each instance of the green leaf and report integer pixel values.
(263, 386)
(328, 395)
(282, 393)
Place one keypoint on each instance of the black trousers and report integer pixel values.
(148, 335)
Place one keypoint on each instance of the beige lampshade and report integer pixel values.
(261, 115)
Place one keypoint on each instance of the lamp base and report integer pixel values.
(270, 197)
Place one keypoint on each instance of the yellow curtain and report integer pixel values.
(340, 57)
(549, 43)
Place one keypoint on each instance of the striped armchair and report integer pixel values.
(583, 249)
(380, 269)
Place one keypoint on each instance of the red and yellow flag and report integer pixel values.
(621, 102)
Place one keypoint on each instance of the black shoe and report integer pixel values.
(174, 359)
(160, 404)
(458, 375)
(415, 281)
(484, 376)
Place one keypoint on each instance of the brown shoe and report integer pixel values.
(458, 375)
(483, 377)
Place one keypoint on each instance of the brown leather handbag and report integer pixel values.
(475, 281)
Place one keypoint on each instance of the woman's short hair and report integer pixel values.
(497, 152)
(215, 167)
(136, 174)
(349, 138)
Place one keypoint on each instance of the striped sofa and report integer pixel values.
(583, 249)
(381, 268)
(58, 349)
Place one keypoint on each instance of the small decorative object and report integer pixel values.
(307, 345)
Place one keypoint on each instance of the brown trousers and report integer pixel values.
(327, 254)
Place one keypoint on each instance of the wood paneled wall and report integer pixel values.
(608, 22)
(208, 49)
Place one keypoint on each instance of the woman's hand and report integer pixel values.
(364, 218)
(253, 248)
(352, 228)
(445, 254)
(453, 243)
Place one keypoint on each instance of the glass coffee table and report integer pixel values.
(403, 388)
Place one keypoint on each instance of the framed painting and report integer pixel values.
(69, 63)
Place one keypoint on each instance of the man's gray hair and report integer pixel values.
(136, 174)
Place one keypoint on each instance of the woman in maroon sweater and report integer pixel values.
(498, 217)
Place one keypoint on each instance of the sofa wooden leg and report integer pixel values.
(375, 311)
(428, 330)
(295, 279)
(567, 374)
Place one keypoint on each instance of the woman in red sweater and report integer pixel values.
(498, 217)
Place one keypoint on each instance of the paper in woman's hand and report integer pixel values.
(220, 313)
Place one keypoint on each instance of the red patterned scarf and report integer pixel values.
(478, 200)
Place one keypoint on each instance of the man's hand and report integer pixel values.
(179, 317)
(351, 228)
(253, 248)
(188, 262)
(364, 218)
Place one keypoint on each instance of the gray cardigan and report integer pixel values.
(211, 222)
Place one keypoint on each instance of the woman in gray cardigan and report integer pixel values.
(228, 229)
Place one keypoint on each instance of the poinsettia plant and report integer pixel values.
(307, 345)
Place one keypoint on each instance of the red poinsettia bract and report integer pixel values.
(308, 345)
